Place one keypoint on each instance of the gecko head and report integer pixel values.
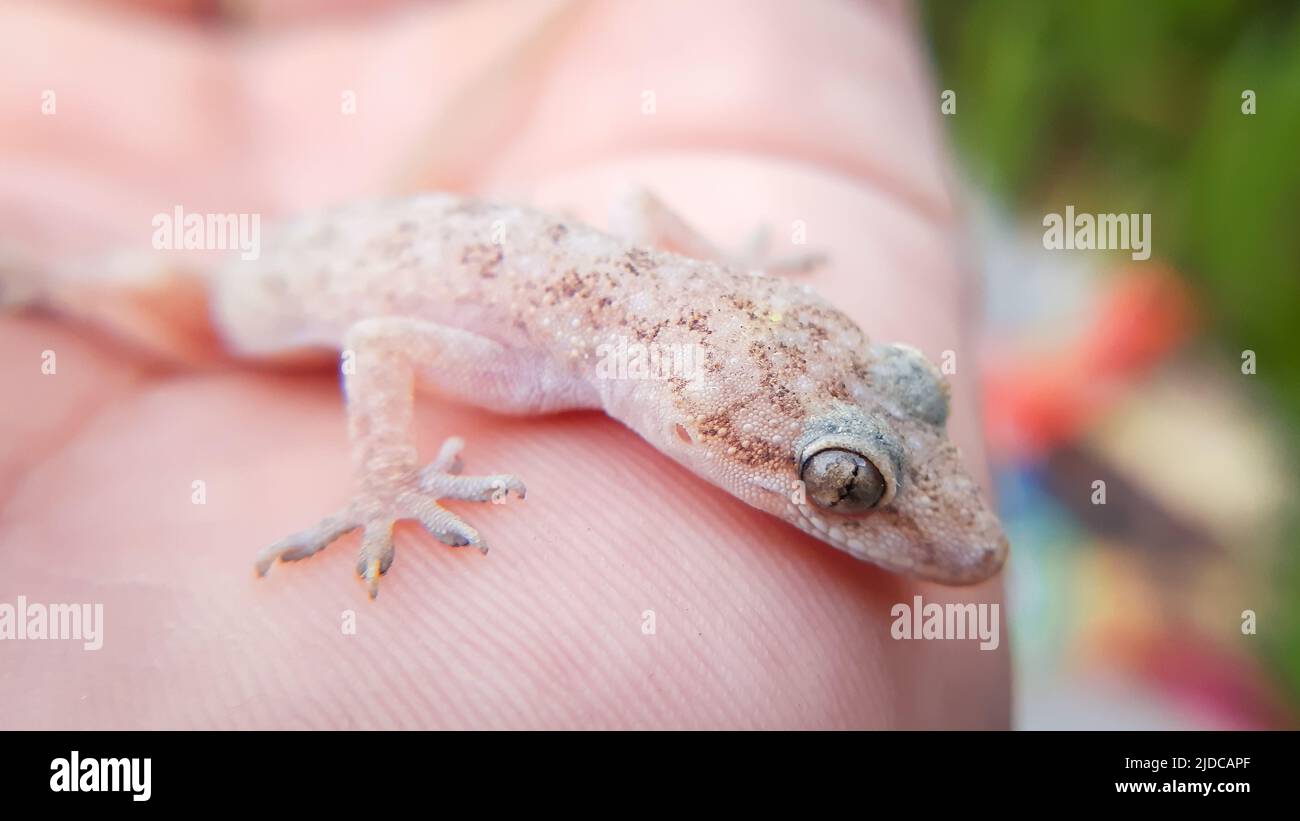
(870, 470)
(882, 480)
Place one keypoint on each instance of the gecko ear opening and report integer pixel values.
(842, 481)
(912, 381)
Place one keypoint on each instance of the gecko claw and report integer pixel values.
(370, 572)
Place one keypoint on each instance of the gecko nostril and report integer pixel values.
(683, 434)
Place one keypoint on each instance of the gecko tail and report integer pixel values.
(148, 301)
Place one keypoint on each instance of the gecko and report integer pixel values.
(787, 405)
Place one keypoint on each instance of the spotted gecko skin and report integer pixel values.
(778, 375)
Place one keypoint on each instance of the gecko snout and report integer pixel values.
(842, 481)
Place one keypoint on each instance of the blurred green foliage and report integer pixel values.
(1136, 106)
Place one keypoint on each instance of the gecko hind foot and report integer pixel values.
(415, 496)
(757, 256)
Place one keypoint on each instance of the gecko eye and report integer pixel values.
(842, 481)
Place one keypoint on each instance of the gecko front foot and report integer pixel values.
(412, 495)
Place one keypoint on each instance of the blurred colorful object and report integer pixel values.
(1120, 107)
(1043, 401)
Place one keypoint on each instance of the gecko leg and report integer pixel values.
(388, 357)
(642, 218)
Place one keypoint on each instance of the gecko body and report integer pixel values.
(786, 405)
(768, 391)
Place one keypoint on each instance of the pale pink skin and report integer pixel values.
(757, 624)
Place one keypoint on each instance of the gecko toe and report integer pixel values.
(517, 486)
(448, 459)
(451, 539)
(305, 543)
